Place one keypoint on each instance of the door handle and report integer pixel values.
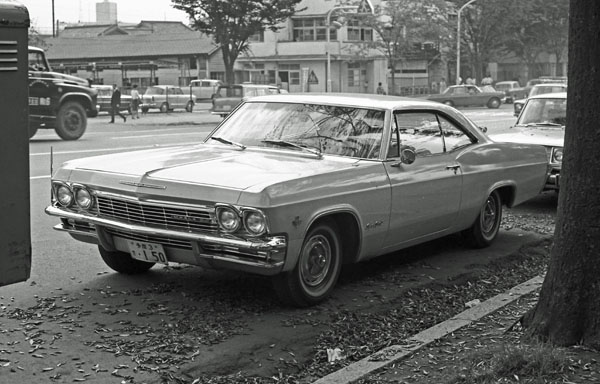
(455, 168)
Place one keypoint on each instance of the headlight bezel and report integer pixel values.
(62, 188)
(57, 187)
(557, 155)
(79, 188)
(247, 214)
(235, 215)
(242, 216)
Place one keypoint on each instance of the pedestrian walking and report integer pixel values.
(115, 104)
(135, 102)
(380, 90)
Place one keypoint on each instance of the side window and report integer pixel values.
(206, 84)
(453, 136)
(421, 132)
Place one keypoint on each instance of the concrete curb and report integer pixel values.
(394, 353)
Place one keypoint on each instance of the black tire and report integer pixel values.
(485, 228)
(449, 103)
(164, 107)
(189, 107)
(71, 121)
(123, 263)
(494, 103)
(317, 269)
(144, 109)
(32, 130)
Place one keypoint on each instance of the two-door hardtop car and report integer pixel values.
(468, 95)
(543, 122)
(294, 186)
(539, 89)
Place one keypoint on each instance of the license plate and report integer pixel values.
(149, 252)
(34, 101)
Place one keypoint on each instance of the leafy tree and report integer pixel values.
(403, 24)
(555, 14)
(482, 36)
(35, 39)
(568, 310)
(232, 22)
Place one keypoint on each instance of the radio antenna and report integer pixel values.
(51, 160)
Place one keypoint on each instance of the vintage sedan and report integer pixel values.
(105, 94)
(468, 95)
(167, 98)
(512, 90)
(543, 121)
(539, 89)
(294, 186)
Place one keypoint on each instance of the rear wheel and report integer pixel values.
(164, 107)
(449, 103)
(494, 103)
(144, 109)
(189, 107)
(123, 263)
(317, 269)
(485, 229)
(71, 121)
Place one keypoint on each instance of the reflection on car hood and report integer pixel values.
(546, 136)
(208, 165)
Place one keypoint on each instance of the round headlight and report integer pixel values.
(83, 197)
(255, 222)
(64, 196)
(228, 219)
(558, 154)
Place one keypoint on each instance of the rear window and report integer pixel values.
(230, 91)
(155, 91)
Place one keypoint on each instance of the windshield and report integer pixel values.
(333, 130)
(230, 91)
(37, 62)
(540, 89)
(155, 91)
(544, 112)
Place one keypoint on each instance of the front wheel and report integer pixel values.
(71, 121)
(123, 263)
(494, 103)
(189, 107)
(485, 228)
(164, 107)
(144, 109)
(316, 271)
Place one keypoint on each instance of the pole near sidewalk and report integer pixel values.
(458, 40)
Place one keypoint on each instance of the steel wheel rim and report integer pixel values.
(316, 261)
(489, 215)
(72, 121)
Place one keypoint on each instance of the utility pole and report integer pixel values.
(53, 22)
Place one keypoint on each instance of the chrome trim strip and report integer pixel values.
(275, 242)
(61, 228)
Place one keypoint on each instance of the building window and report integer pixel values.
(217, 76)
(358, 32)
(312, 30)
(258, 37)
(291, 72)
(353, 74)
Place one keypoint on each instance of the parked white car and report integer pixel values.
(167, 98)
(204, 89)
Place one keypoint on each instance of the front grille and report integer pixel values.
(166, 241)
(8, 56)
(156, 216)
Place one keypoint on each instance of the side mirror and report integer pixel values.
(483, 129)
(408, 155)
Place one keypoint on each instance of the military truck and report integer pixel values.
(58, 101)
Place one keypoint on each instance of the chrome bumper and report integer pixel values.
(270, 261)
(553, 180)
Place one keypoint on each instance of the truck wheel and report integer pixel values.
(189, 107)
(71, 121)
(123, 263)
(32, 130)
(494, 103)
(164, 107)
(317, 269)
(144, 109)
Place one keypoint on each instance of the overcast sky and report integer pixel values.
(72, 11)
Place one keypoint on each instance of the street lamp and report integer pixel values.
(458, 40)
(328, 26)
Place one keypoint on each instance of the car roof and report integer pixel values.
(550, 85)
(556, 95)
(361, 100)
(164, 86)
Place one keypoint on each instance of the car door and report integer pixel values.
(474, 96)
(176, 97)
(460, 96)
(426, 194)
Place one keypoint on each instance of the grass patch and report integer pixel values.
(537, 363)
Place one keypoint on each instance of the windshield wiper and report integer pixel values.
(228, 142)
(545, 123)
(284, 143)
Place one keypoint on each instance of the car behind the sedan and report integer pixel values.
(295, 186)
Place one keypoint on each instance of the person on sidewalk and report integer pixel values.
(135, 102)
(380, 90)
(115, 104)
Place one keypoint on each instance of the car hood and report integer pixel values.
(203, 164)
(548, 137)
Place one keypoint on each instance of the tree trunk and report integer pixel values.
(568, 310)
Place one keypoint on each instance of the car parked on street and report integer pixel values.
(539, 89)
(468, 95)
(512, 91)
(543, 121)
(230, 96)
(294, 186)
(104, 95)
(167, 98)
(204, 89)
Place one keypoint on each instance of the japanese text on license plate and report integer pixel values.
(149, 252)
